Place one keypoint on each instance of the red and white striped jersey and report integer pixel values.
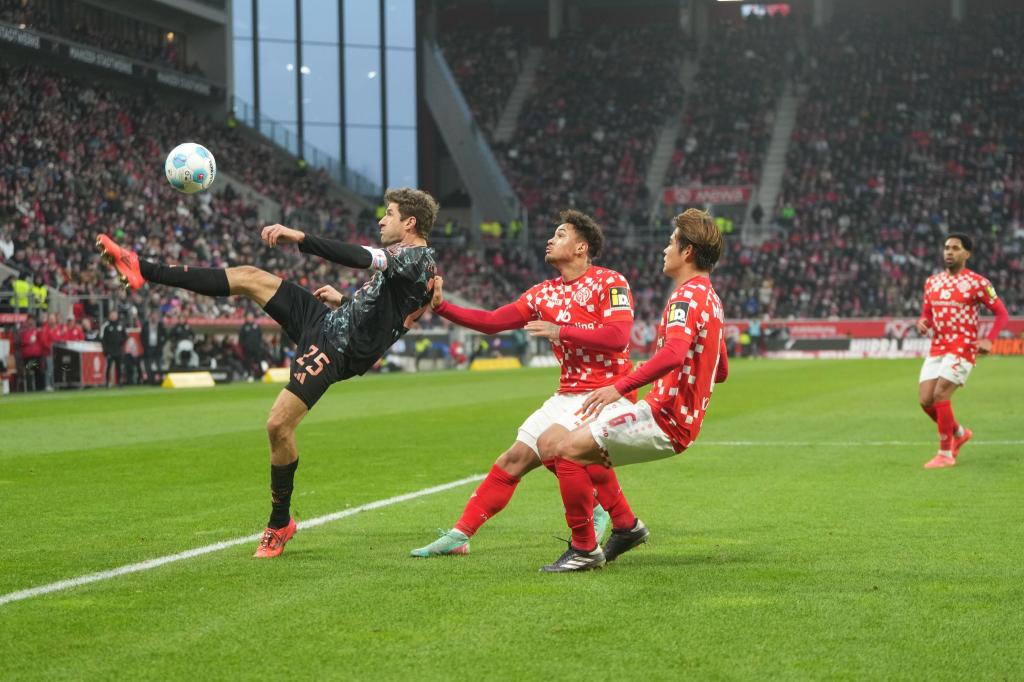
(596, 297)
(679, 399)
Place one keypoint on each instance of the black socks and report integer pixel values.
(282, 479)
(206, 281)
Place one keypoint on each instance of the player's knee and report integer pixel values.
(547, 444)
(243, 278)
(926, 400)
(558, 445)
(517, 461)
(278, 428)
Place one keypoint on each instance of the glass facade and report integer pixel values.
(358, 96)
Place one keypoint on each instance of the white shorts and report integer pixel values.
(949, 367)
(629, 434)
(561, 409)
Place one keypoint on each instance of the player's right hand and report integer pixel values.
(329, 296)
(272, 235)
(922, 327)
(597, 401)
(437, 297)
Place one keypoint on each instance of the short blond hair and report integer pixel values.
(697, 227)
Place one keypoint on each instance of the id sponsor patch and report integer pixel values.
(677, 314)
(991, 291)
(618, 298)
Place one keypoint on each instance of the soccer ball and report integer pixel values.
(190, 168)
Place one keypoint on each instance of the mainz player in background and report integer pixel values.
(950, 311)
(689, 361)
(587, 315)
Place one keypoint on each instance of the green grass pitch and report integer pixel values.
(799, 538)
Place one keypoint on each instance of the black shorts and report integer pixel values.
(317, 364)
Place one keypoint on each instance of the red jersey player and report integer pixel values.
(689, 361)
(950, 310)
(587, 314)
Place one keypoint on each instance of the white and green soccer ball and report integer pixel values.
(190, 168)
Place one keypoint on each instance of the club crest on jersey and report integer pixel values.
(582, 295)
(677, 314)
(964, 286)
(618, 298)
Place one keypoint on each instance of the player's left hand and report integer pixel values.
(272, 235)
(984, 346)
(542, 329)
(329, 296)
(597, 401)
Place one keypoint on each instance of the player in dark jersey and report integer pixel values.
(337, 338)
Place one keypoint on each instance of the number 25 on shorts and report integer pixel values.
(314, 366)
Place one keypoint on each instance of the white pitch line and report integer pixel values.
(846, 444)
(217, 546)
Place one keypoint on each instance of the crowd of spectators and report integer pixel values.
(902, 136)
(81, 160)
(486, 65)
(908, 129)
(97, 27)
(727, 119)
(587, 130)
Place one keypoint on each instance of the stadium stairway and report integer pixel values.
(506, 127)
(665, 145)
(268, 210)
(774, 167)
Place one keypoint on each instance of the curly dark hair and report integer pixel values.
(588, 230)
(965, 241)
(417, 204)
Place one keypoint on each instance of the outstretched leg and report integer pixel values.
(244, 280)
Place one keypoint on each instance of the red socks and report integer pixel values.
(609, 495)
(930, 411)
(490, 497)
(578, 497)
(947, 424)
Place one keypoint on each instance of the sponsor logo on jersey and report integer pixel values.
(677, 314)
(618, 298)
(991, 291)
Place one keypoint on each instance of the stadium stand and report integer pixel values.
(727, 120)
(95, 26)
(902, 136)
(894, 146)
(486, 65)
(55, 196)
(588, 128)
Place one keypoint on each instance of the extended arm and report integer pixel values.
(612, 337)
(484, 321)
(661, 363)
(342, 253)
(668, 356)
